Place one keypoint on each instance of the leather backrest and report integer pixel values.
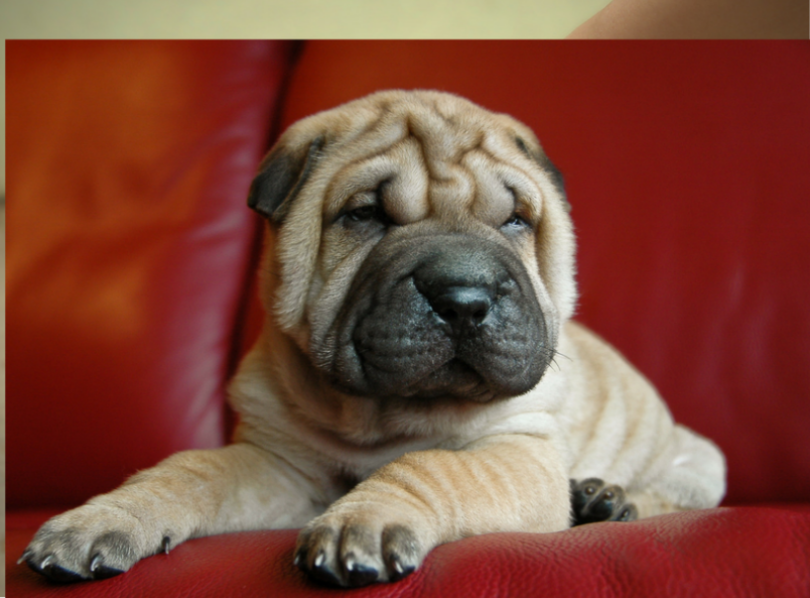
(129, 250)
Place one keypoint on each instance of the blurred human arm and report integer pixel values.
(697, 19)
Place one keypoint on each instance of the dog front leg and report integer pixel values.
(383, 528)
(190, 494)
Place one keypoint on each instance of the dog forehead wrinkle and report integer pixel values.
(486, 185)
(405, 198)
(452, 195)
(398, 172)
(443, 140)
(354, 142)
(443, 136)
(353, 179)
(530, 160)
(494, 202)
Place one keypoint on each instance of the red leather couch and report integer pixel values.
(130, 290)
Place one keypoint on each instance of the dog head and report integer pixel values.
(419, 248)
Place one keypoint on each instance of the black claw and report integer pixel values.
(361, 575)
(323, 573)
(25, 557)
(603, 506)
(581, 493)
(300, 559)
(56, 573)
(165, 545)
(628, 513)
(101, 571)
(398, 570)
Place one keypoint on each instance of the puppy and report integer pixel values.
(418, 378)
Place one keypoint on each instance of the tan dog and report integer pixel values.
(418, 379)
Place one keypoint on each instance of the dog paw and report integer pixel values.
(357, 549)
(593, 500)
(90, 542)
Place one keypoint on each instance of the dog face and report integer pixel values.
(421, 248)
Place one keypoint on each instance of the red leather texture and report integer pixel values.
(129, 248)
(741, 551)
(687, 168)
(130, 252)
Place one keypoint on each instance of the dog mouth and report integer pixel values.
(429, 360)
(454, 380)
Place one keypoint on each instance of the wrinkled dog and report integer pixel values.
(418, 379)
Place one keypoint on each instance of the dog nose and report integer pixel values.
(462, 306)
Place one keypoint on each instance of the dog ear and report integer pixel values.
(547, 166)
(281, 175)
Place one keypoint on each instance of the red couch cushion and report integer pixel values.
(687, 168)
(129, 247)
(742, 551)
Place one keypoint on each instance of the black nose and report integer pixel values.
(462, 306)
(460, 281)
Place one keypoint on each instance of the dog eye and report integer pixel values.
(363, 214)
(370, 210)
(367, 216)
(516, 221)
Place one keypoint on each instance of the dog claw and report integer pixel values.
(399, 570)
(100, 571)
(323, 573)
(95, 563)
(53, 571)
(359, 574)
(629, 513)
